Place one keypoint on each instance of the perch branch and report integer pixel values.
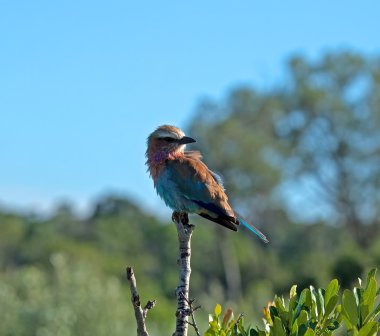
(184, 230)
(140, 313)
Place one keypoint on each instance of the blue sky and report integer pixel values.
(82, 83)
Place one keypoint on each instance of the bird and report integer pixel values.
(185, 183)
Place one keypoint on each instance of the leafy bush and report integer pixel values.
(312, 312)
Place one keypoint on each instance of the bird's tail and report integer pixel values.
(252, 228)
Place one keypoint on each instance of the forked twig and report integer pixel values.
(140, 313)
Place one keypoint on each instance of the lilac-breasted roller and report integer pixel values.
(185, 183)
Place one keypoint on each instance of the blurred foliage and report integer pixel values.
(304, 160)
(64, 275)
(69, 300)
(312, 145)
(313, 312)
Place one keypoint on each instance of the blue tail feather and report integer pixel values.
(252, 228)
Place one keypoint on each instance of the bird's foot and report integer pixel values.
(185, 218)
(176, 216)
(181, 217)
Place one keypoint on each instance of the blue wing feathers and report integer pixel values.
(218, 211)
(212, 207)
(190, 186)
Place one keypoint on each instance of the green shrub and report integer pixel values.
(312, 312)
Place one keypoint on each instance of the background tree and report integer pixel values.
(315, 142)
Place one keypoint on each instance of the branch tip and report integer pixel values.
(140, 314)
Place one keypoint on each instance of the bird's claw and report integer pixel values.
(176, 216)
(182, 217)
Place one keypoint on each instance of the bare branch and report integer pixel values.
(140, 314)
(149, 305)
(184, 230)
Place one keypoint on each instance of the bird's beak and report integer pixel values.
(185, 140)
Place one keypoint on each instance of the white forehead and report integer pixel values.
(162, 133)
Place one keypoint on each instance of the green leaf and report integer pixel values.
(371, 275)
(369, 329)
(317, 298)
(314, 310)
(293, 303)
(302, 330)
(370, 294)
(375, 312)
(301, 302)
(302, 318)
(350, 310)
(293, 291)
(302, 298)
(241, 326)
(279, 304)
(285, 317)
(294, 330)
(213, 325)
(331, 305)
(218, 309)
(309, 332)
(358, 295)
(321, 295)
(278, 328)
(209, 333)
(308, 300)
(231, 325)
(368, 299)
(332, 290)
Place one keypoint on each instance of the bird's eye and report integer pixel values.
(168, 139)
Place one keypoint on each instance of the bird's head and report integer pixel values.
(167, 140)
